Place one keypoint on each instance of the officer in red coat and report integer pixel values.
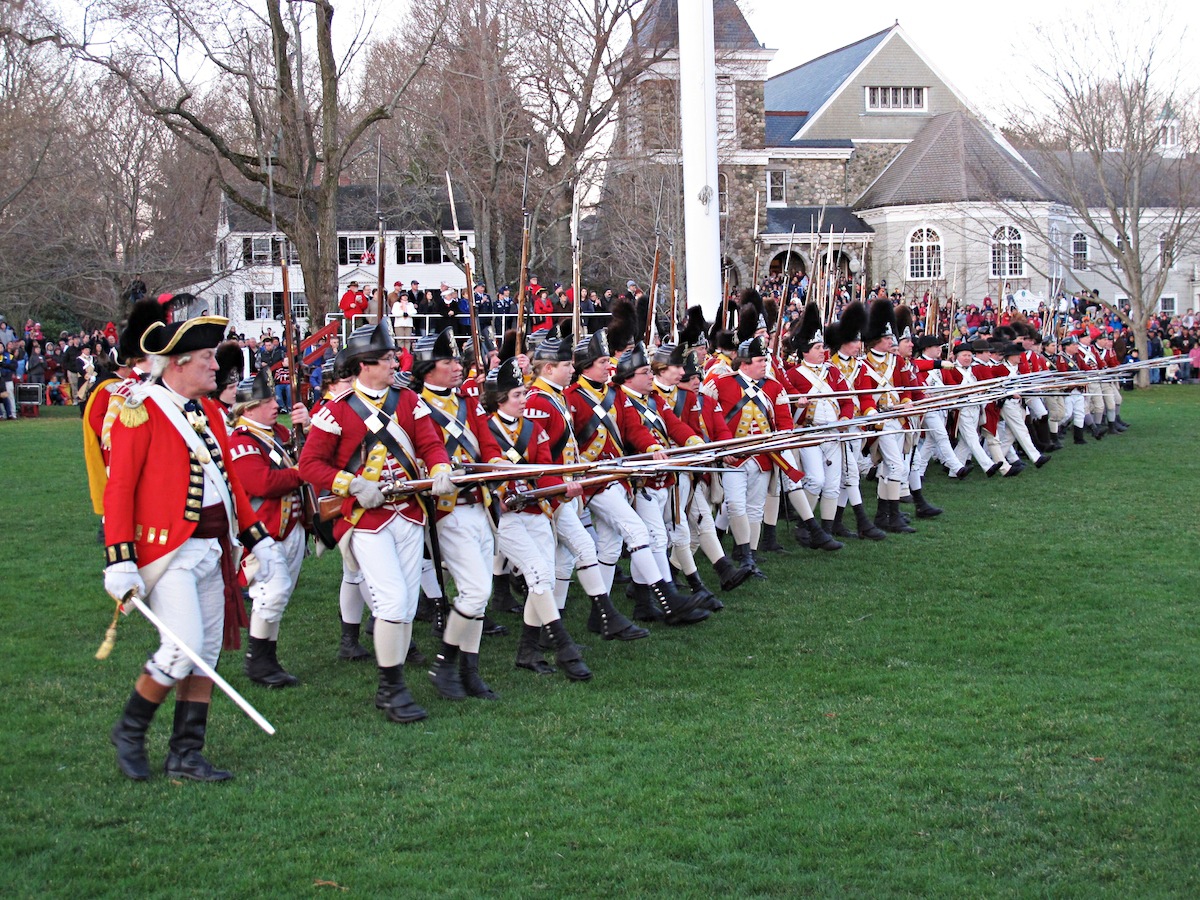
(369, 435)
(176, 520)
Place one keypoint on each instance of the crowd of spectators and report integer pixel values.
(63, 368)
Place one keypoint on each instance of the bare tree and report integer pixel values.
(274, 70)
(1099, 134)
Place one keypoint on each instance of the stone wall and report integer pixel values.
(868, 161)
(752, 120)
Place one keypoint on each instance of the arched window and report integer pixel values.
(1008, 253)
(723, 195)
(924, 255)
(1079, 252)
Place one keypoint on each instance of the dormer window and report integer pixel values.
(891, 99)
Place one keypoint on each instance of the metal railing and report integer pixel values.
(432, 323)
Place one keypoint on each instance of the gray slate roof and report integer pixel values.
(807, 87)
(781, 127)
(1165, 183)
(404, 209)
(808, 219)
(658, 26)
(954, 159)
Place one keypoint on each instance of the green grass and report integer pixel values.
(1002, 704)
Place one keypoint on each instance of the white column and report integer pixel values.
(698, 137)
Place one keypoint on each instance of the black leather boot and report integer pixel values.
(895, 523)
(444, 674)
(1097, 430)
(867, 530)
(468, 669)
(744, 555)
(566, 654)
(349, 648)
(528, 655)
(709, 600)
(502, 595)
(838, 528)
(925, 509)
(1041, 460)
(768, 541)
(1079, 438)
(493, 628)
(645, 609)
(394, 699)
(184, 759)
(262, 667)
(731, 576)
(414, 656)
(882, 514)
(818, 537)
(129, 737)
(678, 609)
(1121, 422)
(606, 620)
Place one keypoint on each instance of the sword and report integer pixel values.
(229, 689)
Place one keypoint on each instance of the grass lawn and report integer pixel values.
(1001, 704)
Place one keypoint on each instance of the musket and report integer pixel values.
(380, 248)
(725, 299)
(652, 303)
(757, 242)
(576, 267)
(787, 293)
(476, 344)
(523, 274)
(674, 295)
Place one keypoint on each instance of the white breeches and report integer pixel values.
(390, 560)
(466, 545)
(189, 597)
(527, 539)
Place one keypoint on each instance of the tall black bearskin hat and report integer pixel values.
(807, 332)
(754, 298)
(229, 364)
(430, 348)
(508, 345)
(630, 361)
(904, 324)
(849, 328)
(771, 312)
(368, 343)
(1004, 333)
(721, 339)
(622, 330)
(664, 327)
(694, 327)
(259, 389)
(747, 325)
(142, 315)
(881, 322)
(557, 345)
(643, 312)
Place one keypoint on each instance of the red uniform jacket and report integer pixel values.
(605, 425)
(752, 407)
(525, 441)
(339, 437)
(453, 410)
(804, 377)
(548, 407)
(269, 475)
(148, 510)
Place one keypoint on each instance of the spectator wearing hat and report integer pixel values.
(353, 302)
(543, 310)
(403, 310)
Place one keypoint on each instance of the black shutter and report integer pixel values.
(247, 251)
(343, 252)
(433, 250)
(248, 299)
(277, 305)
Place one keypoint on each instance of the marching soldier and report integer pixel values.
(462, 532)
(175, 521)
(907, 376)
(1110, 390)
(967, 430)
(1013, 411)
(1088, 360)
(935, 442)
(525, 533)
(260, 455)
(367, 436)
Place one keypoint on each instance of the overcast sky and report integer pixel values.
(983, 50)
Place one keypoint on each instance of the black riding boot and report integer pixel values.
(129, 737)
(867, 530)
(567, 654)
(818, 537)
(925, 509)
(444, 674)
(606, 620)
(394, 699)
(731, 576)
(528, 655)
(184, 759)
(263, 668)
(1079, 438)
(645, 609)
(895, 524)
(349, 648)
(468, 668)
(743, 554)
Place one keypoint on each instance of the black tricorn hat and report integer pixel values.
(904, 323)
(142, 315)
(752, 347)
(925, 341)
(630, 361)
(557, 345)
(694, 328)
(430, 348)
(1004, 333)
(200, 333)
(229, 364)
(881, 322)
(258, 389)
(691, 366)
(963, 347)
(849, 328)
(369, 342)
(1012, 349)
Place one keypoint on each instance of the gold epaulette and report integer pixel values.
(133, 413)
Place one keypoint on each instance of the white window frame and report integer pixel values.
(414, 249)
(723, 195)
(925, 254)
(1005, 239)
(261, 251)
(1162, 304)
(1166, 253)
(1080, 261)
(1055, 247)
(356, 248)
(782, 187)
(896, 99)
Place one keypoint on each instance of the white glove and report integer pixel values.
(443, 485)
(120, 578)
(367, 493)
(266, 552)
